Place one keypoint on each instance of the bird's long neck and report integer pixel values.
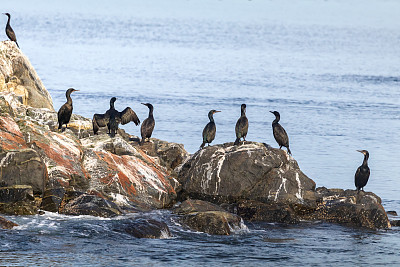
(365, 162)
(243, 112)
(211, 117)
(112, 105)
(277, 118)
(150, 112)
(8, 21)
(69, 99)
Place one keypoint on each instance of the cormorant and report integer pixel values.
(362, 173)
(210, 129)
(9, 31)
(65, 112)
(280, 134)
(148, 124)
(112, 118)
(242, 125)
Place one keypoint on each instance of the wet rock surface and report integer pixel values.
(6, 224)
(17, 200)
(361, 209)
(145, 228)
(206, 217)
(91, 205)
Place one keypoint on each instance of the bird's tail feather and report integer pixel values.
(289, 152)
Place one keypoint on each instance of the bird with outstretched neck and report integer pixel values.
(9, 31)
(148, 124)
(65, 112)
(112, 118)
(279, 132)
(210, 129)
(362, 174)
(242, 125)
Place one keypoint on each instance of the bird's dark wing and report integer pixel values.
(11, 34)
(209, 132)
(101, 119)
(281, 136)
(147, 127)
(64, 113)
(128, 115)
(242, 126)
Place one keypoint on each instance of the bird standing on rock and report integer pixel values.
(148, 124)
(280, 134)
(242, 125)
(112, 118)
(210, 129)
(9, 31)
(65, 112)
(362, 174)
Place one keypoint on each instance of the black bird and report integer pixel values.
(148, 124)
(280, 134)
(112, 118)
(362, 173)
(242, 125)
(65, 112)
(9, 31)
(210, 129)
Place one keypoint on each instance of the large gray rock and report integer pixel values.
(145, 228)
(18, 76)
(361, 209)
(209, 218)
(91, 205)
(17, 200)
(253, 171)
(23, 167)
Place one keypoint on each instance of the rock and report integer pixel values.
(17, 200)
(91, 205)
(52, 199)
(252, 171)
(23, 167)
(195, 205)
(395, 223)
(391, 212)
(18, 76)
(61, 152)
(348, 207)
(251, 210)
(212, 222)
(209, 218)
(6, 224)
(146, 228)
(132, 175)
(171, 155)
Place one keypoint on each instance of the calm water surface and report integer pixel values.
(331, 68)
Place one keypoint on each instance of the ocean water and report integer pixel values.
(331, 68)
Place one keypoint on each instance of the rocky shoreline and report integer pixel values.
(213, 191)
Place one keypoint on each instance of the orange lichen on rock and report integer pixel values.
(11, 136)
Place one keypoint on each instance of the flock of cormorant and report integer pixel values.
(112, 118)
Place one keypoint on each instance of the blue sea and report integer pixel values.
(331, 68)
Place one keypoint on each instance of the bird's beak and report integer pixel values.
(217, 111)
(360, 151)
(75, 90)
(143, 104)
(271, 112)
